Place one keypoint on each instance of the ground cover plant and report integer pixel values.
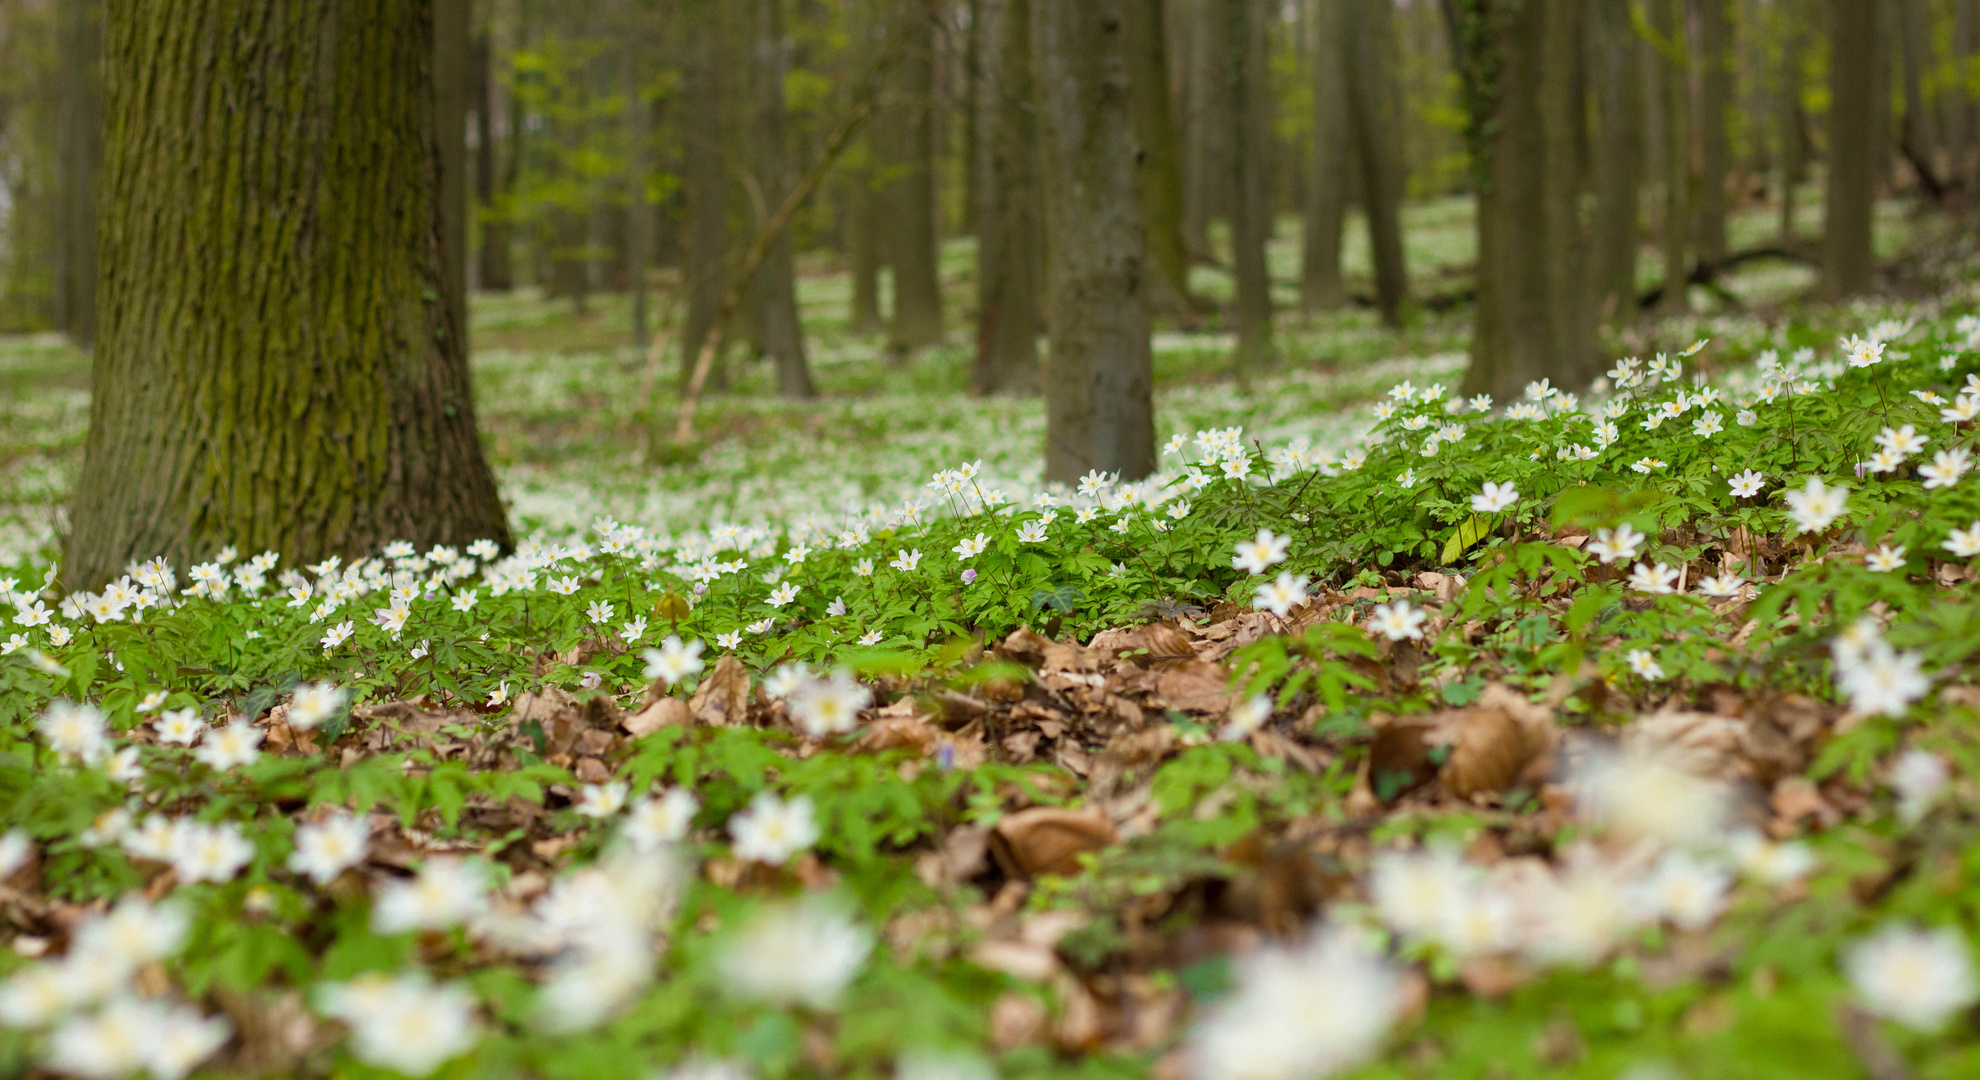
(1621, 734)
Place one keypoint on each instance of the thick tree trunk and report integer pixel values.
(1618, 163)
(1848, 260)
(1376, 121)
(1099, 385)
(778, 333)
(1920, 139)
(1160, 164)
(704, 183)
(1250, 171)
(1531, 320)
(1206, 125)
(912, 241)
(1320, 285)
(275, 370)
(452, 27)
(1009, 217)
(1714, 148)
(79, 155)
(1674, 99)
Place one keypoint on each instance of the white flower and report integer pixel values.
(1862, 352)
(405, 1024)
(970, 547)
(1647, 792)
(1885, 559)
(602, 800)
(1246, 717)
(314, 703)
(634, 630)
(330, 847)
(235, 745)
(1621, 542)
(730, 639)
(863, 568)
(1282, 595)
(109, 1043)
(447, 891)
(1747, 484)
(1397, 621)
(1904, 441)
(1687, 892)
(599, 612)
(673, 660)
(499, 696)
(1298, 1012)
(786, 680)
(1412, 891)
(830, 706)
(1919, 777)
(1946, 468)
(1920, 978)
(1655, 578)
(654, 823)
(1708, 425)
(183, 1038)
(76, 731)
(772, 830)
(1964, 543)
(1032, 532)
(151, 701)
(1576, 916)
(1770, 863)
(1721, 585)
(213, 853)
(1879, 679)
(782, 595)
(1261, 552)
(465, 599)
(338, 634)
(14, 851)
(905, 560)
(796, 953)
(1816, 505)
(1643, 663)
(1646, 465)
(1494, 498)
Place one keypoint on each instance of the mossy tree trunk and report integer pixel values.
(79, 154)
(1009, 217)
(1160, 162)
(1320, 285)
(276, 367)
(1099, 383)
(1854, 149)
(1251, 182)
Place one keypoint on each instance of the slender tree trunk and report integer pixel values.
(705, 183)
(779, 333)
(1920, 138)
(1160, 164)
(1376, 120)
(1618, 163)
(1099, 387)
(492, 270)
(452, 27)
(275, 369)
(639, 211)
(1848, 260)
(1251, 199)
(912, 239)
(863, 237)
(1794, 130)
(1959, 99)
(1674, 97)
(1518, 66)
(79, 154)
(1009, 217)
(1206, 125)
(1320, 285)
(1714, 148)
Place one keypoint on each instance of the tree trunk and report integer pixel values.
(452, 27)
(912, 241)
(1618, 163)
(1009, 218)
(1251, 199)
(1920, 138)
(1160, 164)
(1794, 139)
(494, 271)
(639, 212)
(1099, 385)
(779, 333)
(1714, 149)
(704, 183)
(79, 156)
(275, 370)
(863, 237)
(1519, 65)
(1206, 125)
(1959, 101)
(1674, 97)
(1848, 260)
(1320, 285)
(1376, 120)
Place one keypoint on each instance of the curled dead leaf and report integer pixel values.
(1048, 840)
(663, 712)
(722, 699)
(1502, 742)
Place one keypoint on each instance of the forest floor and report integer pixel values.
(1393, 735)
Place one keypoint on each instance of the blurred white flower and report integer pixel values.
(1299, 1012)
(772, 830)
(405, 1023)
(799, 953)
(329, 847)
(1920, 778)
(447, 891)
(1920, 978)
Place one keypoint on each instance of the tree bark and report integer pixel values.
(1099, 383)
(1848, 260)
(452, 27)
(1920, 138)
(1009, 217)
(1794, 139)
(1375, 120)
(704, 183)
(779, 333)
(1320, 285)
(912, 240)
(275, 369)
(863, 237)
(1674, 98)
(637, 123)
(1206, 125)
(1518, 67)
(1160, 164)
(79, 156)
(1250, 172)
(1959, 101)
(494, 269)
(1618, 163)
(1714, 148)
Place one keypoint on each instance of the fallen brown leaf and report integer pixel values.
(722, 699)
(1048, 840)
